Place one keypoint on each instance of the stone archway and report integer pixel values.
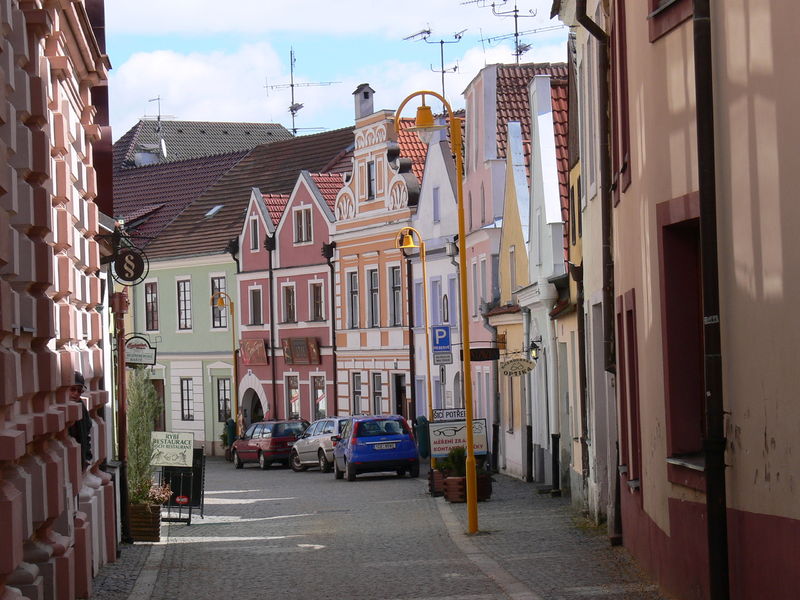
(253, 403)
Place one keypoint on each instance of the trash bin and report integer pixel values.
(423, 437)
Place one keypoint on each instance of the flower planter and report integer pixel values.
(145, 522)
(436, 479)
(455, 488)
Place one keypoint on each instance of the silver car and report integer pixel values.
(315, 446)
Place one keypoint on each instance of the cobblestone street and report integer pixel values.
(306, 535)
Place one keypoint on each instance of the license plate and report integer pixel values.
(384, 446)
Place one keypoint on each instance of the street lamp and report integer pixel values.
(404, 241)
(222, 300)
(424, 125)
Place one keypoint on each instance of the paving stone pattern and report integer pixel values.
(279, 534)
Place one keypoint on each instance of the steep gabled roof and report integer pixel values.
(411, 146)
(513, 103)
(328, 185)
(272, 168)
(149, 198)
(192, 139)
(275, 203)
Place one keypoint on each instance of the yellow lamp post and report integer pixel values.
(405, 240)
(424, 123)
(222, 300)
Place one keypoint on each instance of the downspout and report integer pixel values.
(269, 246)
(327, 252)
(714, 442)
(609, 355)
(577, 275)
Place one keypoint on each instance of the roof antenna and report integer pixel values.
(295, 107)
(161, 144)
(424, 35)
(520, 48)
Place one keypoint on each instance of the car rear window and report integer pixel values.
(286, 429)
(379, 427)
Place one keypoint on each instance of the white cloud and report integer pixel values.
(329, 17)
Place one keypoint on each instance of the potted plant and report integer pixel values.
(455, 484)
(144, 498)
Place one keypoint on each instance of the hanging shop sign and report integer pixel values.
(516, 366)
(130, 266)
(138, 351)
(171, 449)
(253, 352)
(300, 351)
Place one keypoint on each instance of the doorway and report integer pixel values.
(399, 392)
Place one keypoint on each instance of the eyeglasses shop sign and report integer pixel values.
(171, 449)
(446, 435)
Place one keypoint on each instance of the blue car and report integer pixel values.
(375, 443)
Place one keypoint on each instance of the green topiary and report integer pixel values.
(143, 410)
(457, 461)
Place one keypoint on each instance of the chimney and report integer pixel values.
(363, 101)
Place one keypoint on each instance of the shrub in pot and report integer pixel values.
(455, 484)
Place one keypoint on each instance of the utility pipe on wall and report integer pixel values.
(714, 441)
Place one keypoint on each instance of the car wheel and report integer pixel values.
(414, 470)
(295, 463)
(350, 471)
(324, 465)
(262, 461)
(237, 462)
(401, 472)
(336, 472)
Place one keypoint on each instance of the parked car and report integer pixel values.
(374, 443)
(315, 446)
(266, 442)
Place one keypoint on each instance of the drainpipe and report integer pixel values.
(577, 275)
(269, 246)
(714, 442)
(327, 252)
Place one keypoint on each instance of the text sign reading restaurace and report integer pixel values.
(171, 449)
(450, 434)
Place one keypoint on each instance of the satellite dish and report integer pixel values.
(163, 148)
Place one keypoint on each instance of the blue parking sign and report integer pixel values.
(440, 338)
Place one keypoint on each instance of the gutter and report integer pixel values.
(714, 441)
(327, 252)
(269, 246)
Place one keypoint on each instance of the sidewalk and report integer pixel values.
(532, 545)
(536, 548)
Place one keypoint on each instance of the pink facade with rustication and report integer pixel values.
(57, 511)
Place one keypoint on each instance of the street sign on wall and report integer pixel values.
(440, 338)
(445, 435)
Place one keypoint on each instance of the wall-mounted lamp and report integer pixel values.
(534, 348)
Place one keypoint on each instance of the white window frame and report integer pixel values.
(353, 311)
(373, 297)
(254, 234)
(284, 305)
(250, 291)
(312, 285)
(395, 296)
(224, 316)
(376, 389)
(178, 281)
(304, 227)
(157, 307)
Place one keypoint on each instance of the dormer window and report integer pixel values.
(214, 211)
(254, 234)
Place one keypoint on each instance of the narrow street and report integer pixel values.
(281, 534)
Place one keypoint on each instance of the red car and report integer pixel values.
(267, 442)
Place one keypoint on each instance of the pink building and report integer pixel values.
(57, 513)
(287, 356)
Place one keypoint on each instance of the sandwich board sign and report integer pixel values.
(445, 435)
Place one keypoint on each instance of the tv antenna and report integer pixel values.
(424, 35)
(520, 48)
(295, 106)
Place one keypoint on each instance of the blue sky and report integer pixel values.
(207, 65)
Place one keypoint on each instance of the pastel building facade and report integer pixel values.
(57, 505)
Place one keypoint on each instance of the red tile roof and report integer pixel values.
(275, 204)
(161, 192)
(272, 168)
(512, 97)
(329, 185)
(412, 147)
(559, 94)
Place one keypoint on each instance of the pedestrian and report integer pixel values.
(81, 430)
